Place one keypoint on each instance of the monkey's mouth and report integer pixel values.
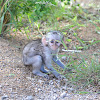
(54, 48)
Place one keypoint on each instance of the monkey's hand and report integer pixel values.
(60, 77)
(68, 69)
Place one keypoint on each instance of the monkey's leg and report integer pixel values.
(28, 60)
(42, 69)
(37, 66)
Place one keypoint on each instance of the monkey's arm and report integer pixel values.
(58, 62)
(52, 70)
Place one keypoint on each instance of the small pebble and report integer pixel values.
(29, 98)
(51, 82)
(63, 95)
(63, 58)
(54, 90)
(99, 83)
(5, 97)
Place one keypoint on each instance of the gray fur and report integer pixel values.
(39, 55)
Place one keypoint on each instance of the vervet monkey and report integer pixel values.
(41, 52)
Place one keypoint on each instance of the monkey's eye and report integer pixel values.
(52, 41)
(57, 42)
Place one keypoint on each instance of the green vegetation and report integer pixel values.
(85, 69)
(38, 15)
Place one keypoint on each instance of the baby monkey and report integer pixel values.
(41, 52)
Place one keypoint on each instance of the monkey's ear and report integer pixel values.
(44, 42)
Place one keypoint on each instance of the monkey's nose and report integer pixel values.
(54, 47)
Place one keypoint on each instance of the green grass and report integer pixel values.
(85, 69)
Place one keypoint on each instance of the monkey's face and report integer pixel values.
(54, 44)
(54, 39)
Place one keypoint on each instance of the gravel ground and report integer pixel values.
(18, 83)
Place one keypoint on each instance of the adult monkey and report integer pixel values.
(41, 52)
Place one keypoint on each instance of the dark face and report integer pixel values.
(54, 44)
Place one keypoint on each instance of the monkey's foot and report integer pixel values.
(41, 74)
(45, 71)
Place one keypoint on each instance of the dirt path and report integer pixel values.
(18, 83)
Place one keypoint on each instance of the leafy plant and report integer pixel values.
(17, 10)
